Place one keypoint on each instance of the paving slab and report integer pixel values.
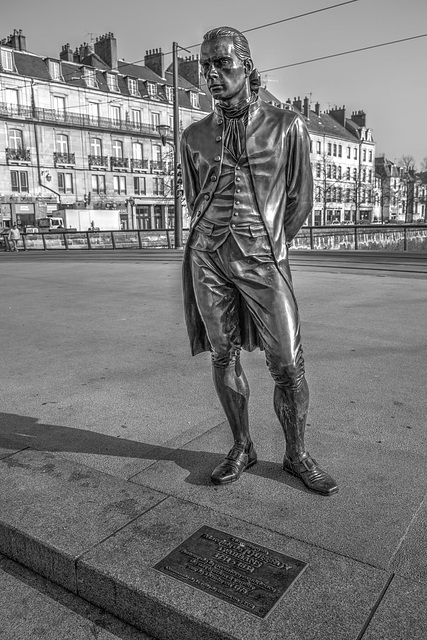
(331, 600)
(32, 608)
(52, 510)
(410, 559)
(402, 613)
(380, 490)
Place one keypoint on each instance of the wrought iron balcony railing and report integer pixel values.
(80, 120)
(119, 163)
(139, 165)
(18, 155)
(98, 161)
(64, 158)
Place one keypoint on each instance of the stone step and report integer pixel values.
(101, 538)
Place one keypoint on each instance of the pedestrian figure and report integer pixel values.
(14, 237)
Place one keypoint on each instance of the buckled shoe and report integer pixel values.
(307, 470)
(235, 463)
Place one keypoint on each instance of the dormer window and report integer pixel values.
(90, 77)
(152, 89)
(7, 60)
(112, 82)
(169, 94)
(133, 87)
(55, 70)
(194, 99)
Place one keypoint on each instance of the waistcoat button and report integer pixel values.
(213, 178)
(217, 158)
(218, 138)
(206, 196)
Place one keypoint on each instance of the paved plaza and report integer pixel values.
(109, 430)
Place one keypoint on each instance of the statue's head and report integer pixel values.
(226, 62)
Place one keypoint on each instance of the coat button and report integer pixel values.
(233, 226)
(220, 121)
(217, 158)
(213, 178)
(218, 138)
(206, 196)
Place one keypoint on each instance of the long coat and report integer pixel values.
(278, 149)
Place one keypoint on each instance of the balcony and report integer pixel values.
(18, 156)
(118, 164)
(98, 162)
(79, 120)
(61, 159)
(139, 165)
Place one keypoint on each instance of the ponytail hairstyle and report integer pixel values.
(241, 49)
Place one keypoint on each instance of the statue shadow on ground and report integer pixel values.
(23, 432)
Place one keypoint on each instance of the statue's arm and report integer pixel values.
(299, 179)
(190, 176)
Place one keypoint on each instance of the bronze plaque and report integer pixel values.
(242, 573)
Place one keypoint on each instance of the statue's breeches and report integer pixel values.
(224, 278)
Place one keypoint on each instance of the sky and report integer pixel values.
(388, 83)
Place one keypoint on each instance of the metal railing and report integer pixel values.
(381, 237)
(352, 238)
(74, 119)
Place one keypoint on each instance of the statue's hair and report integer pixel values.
(241, 45)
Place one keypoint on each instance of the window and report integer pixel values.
(96, 147)
(117, 149)
(364, 155)
(194, 99)
(19, 180)
(329, 149)
(158, 186)
(93, 109)
(115, 115)
(136, 117)
(133, 87)
(65, 183)
(59, 105)
(157, 216)
(370, 176)
(335, 149)
(55, 70)
(311, 145)
(370, 156)
(348, 152)
(61, 143)
(98, 184)
(139, 187)
(90, 77)
(317, 193)
(348, 173)
(318, 170)
(318, 146)
(339, 194)
(339, 173)
(364, 175)
(347, 195)
(340, 150)
(152, 89)
(112, 82)
(355, 153)
(143, 218)
(7, 60)
(119, 184)
(157, 155)
(15, 139)
(137, 151)
(328, 171)
(155, 119)
(354, 174)
(169, 94)
(334, 171)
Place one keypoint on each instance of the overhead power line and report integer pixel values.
(344, 53)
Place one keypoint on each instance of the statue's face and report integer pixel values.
(226, 75)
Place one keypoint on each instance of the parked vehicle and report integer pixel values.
(81, 220)
(30, 229)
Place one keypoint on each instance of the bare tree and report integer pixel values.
(423, 164)
(406, 161)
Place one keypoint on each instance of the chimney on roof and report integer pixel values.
(155, 60)
(359, 117)
(106, 49)
(297, 104)
(76, 55)
(317, 108)
(66, 53)
(338, 114)
(306, 109)
(189, 68)
(16, 40)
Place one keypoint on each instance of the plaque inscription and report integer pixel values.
(240, 572)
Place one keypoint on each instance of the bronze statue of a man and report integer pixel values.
(248, 185)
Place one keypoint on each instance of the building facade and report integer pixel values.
(403, 193)
(81, 130)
